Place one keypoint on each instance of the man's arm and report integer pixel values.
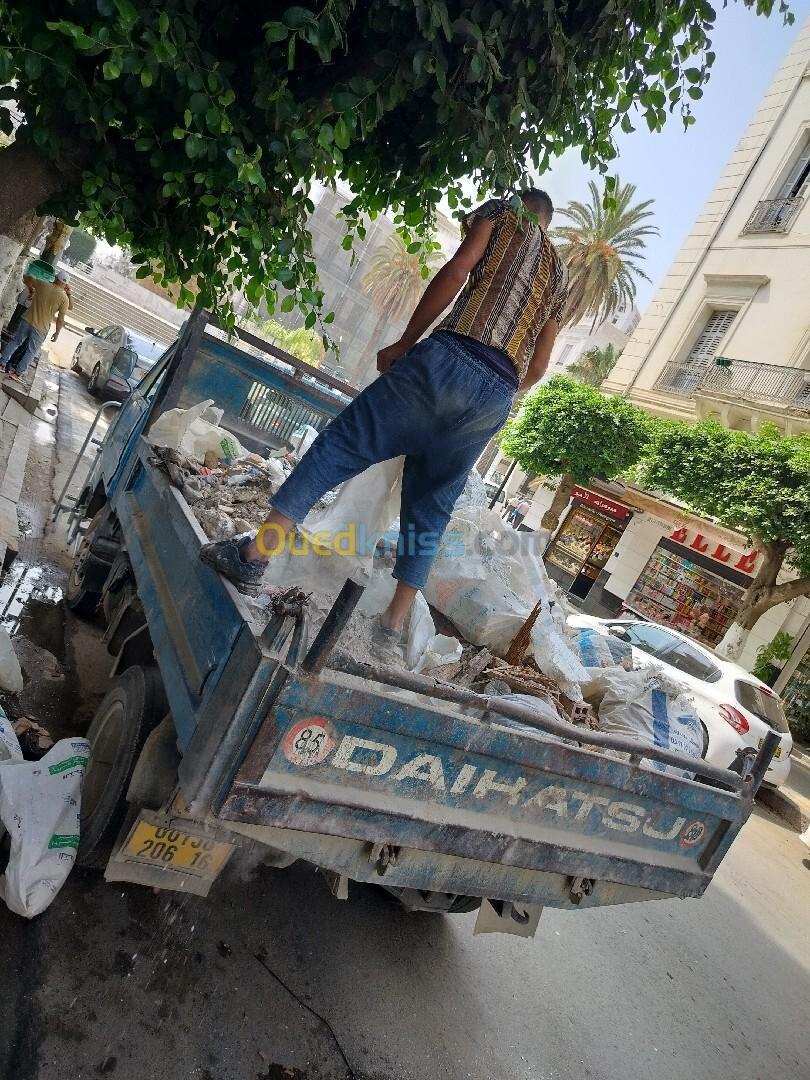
(60, 319)
(441, 292)
(541, 355)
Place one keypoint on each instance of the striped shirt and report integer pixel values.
(518, 285)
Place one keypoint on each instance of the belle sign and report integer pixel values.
(745, 563)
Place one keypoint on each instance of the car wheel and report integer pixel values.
(76, 366)
(93, 386)
(705, 731)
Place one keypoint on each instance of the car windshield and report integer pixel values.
(762, 704)
(652, 639)
(146, 349)
(671, 650)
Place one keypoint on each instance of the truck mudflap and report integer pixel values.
(343, 757)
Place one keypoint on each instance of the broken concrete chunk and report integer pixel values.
(215, 524)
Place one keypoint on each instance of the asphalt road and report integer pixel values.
(273, 979)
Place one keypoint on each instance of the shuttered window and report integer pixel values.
(797, 179)
(717, 326)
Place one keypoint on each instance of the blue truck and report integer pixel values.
(220, 734)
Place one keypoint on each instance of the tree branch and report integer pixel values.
(788, 590)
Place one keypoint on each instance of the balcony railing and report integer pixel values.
(774, 215)
(741, 379)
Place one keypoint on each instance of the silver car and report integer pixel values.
(115, 359)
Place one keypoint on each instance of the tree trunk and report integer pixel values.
(56, 242)
(562, 496)
(27, 179)
(762, 595)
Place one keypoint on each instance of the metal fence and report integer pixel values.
(742, 378)
(279, 414)
(774, 215)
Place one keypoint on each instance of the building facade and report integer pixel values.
(738, 292)
(575, 340)
(359, 329)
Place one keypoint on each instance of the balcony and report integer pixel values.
(774, 215)
(767, 383)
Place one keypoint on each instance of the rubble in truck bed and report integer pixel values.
(227, 499)
(495, 643)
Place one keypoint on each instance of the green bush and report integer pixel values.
(778, 649)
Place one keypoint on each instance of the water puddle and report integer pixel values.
(27, 594)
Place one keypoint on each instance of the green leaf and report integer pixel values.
(111, 70)
(346, 243)
(297, 17)
(413, 248)
(163, 22)
(127, 11)
(344, 99)
(198, 103)
(343, 135)
(146, 77)
(310, 320)
(288, 303)
(695, 92)
(275, 31)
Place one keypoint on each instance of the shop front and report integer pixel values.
(693, 584)
(585, 541)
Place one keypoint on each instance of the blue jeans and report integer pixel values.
(30, 338)
(439, 406)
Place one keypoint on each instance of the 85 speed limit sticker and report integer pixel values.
(308, 742)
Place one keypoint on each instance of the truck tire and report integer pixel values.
(80, 600)
(134, 705)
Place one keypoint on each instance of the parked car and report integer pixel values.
(735, 707)
(115, 359)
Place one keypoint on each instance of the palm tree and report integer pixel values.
(602, 248)
(594, 366)
(394, 285)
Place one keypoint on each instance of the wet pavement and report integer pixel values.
(272, 978)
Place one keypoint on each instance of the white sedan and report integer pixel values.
(734, 706)
(115, 359)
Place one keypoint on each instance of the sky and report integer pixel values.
(679, 168)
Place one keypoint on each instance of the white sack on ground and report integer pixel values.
(40, 807)
(647, 706)
(10, 674)
(556, 657)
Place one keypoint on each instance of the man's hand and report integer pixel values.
(387, 357)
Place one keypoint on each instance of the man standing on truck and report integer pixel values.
(438, 401)
(47, 299)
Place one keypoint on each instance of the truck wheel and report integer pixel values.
(82, 601)
(133, 706)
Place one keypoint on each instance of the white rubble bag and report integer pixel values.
(302, 439)
(556, 656)
(40, 807)
(195, 431)
(10, 674)
(647, 706)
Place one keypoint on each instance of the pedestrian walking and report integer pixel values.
(48, 299)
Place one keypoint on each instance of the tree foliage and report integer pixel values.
(755, 482)
(80, 247)
(565, 427)
(594, 365)
(603, 248)
(303, 343)
(191, 132)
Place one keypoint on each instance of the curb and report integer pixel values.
(796, 816)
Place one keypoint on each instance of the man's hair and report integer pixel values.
(538, 202)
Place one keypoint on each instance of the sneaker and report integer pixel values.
(386, 644)
(225, 556)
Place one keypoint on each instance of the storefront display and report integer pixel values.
(584, 543)
(676, 591)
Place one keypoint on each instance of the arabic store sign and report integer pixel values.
(745, 563)
(599, 502)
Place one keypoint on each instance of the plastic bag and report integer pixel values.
(556, 658)
(441, 650)
(302, 439)
(10, 674)
(40, 807)
(647, 706)
(597, 650)
(192, 432)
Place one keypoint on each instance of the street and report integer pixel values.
(274, 979)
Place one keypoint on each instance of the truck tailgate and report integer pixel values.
(344, 757)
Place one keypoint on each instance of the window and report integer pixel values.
(762, 704)
(565, 352)
(692, 662)
(652, 639)
(686, 376)
(777, 213)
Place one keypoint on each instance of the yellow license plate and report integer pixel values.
(174, 849)
(777, 752)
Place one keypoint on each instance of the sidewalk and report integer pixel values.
(792, 801)
(19, 401)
